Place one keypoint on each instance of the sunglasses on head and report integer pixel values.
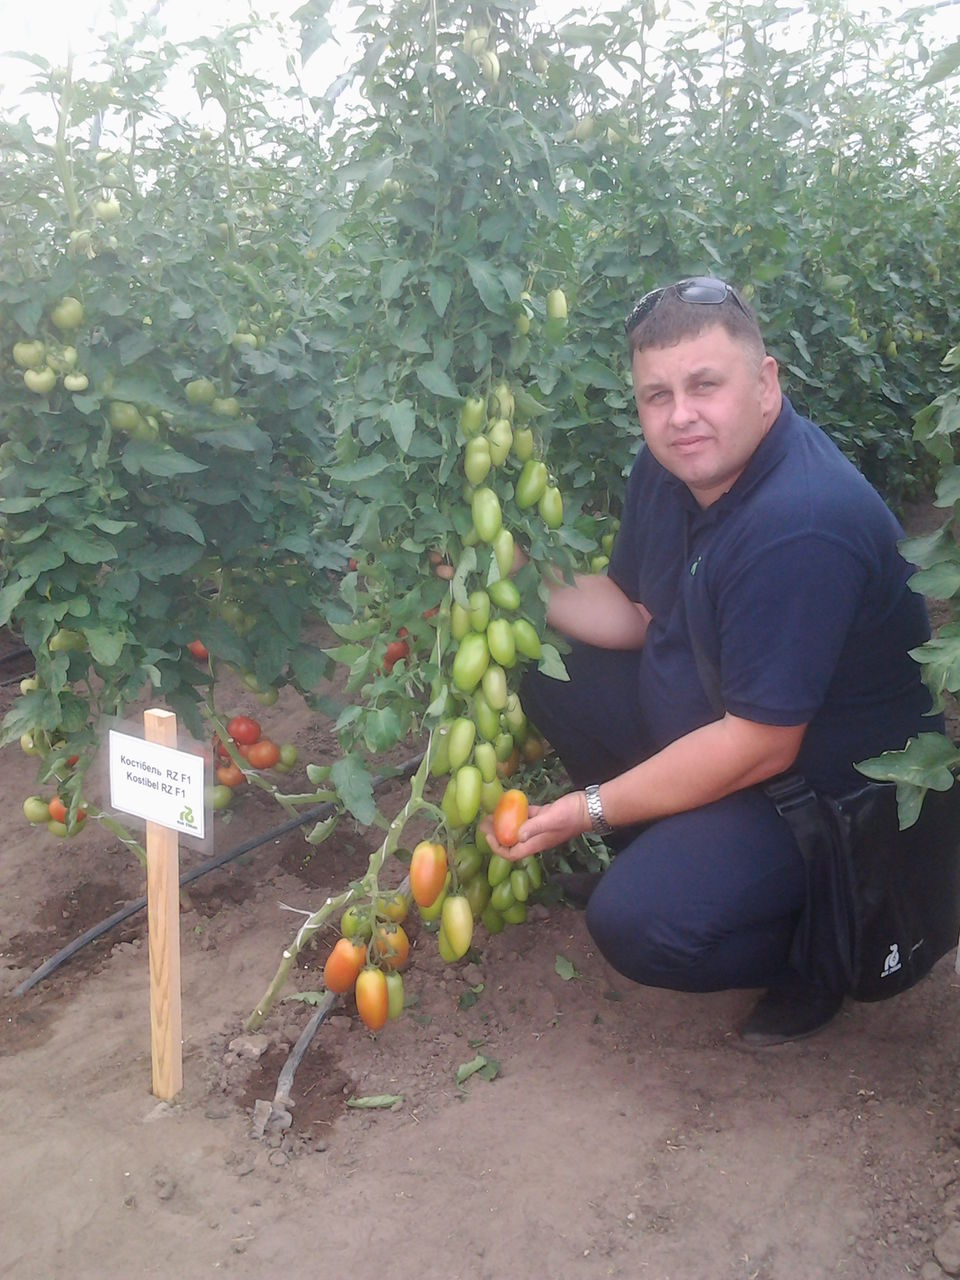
(702, 290)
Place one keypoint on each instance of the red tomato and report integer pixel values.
(343, 964)
(199, 650)
(428, 873)
(392, 945)
(373, 1001)
(509, 816)
(263, 754)
(243, 730)
(220, 751)
(396, 650)
(58, 811)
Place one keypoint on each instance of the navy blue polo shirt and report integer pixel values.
(796, 593)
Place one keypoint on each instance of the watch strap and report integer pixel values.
(595, 810)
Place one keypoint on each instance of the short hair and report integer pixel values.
(672, 320)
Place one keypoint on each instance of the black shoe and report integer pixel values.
(789, 1013)
(577, 886)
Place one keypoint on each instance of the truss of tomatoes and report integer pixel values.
(367, 958)
(259, 752)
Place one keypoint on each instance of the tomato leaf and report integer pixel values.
(355, 788)
(566, 969)
(551, 664)
(438, 381)
(308, 997)
(403, 420)
(376, 1102)
(486, 1068)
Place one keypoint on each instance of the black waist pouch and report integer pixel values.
(883, 905)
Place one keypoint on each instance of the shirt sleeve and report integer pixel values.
(784, 620)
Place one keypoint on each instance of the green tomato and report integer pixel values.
(532, 483)
(490, 795)
(289, 754)
(498, 870)
(492, 921)
(550, 507)
(456, 923)
(221, 797)
(440, 751)
(521, 322)
(28, 684)
(503, 552)
(29, 747)
(394, 996)
(503, 746)
(500, 440)
(513, 715)
(40, 381)
(598, 563)
(485, 717)
(433, 911)
(29, 355)
(556, 305)
(67, 641)
(476, 460)
(523, 444)
(606, 542)
(225, 407)
(494, 685)
(525, 638)
(477, 893)
(268, 697)
(515, 914)
(500, 641)
(459, 621)
(76, 382)
(487, 517)
(520, 884)
(68, 314)
(504, 594)
(57, 828)
(448, 806)
(200, 391)
(534, 871)
(37, 810)
(468, 860)
(469, 788)
(472, 416)
(356, 921)
(501, 897)
(501, 403)
(460, 743)
(124, 416)
(479, 603)
(471, 661)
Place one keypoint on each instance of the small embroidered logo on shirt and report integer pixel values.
(695, 566)
(892, 962)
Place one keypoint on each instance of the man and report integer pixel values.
(755, 619)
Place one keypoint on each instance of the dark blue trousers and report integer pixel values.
(702, 901)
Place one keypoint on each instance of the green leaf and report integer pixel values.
(84, 548)
(354, 786)
(551, 664)
(308, 997)
(375, 1102)
(362, 469)
(487, 284)
(105, 646)
(565, 968)
(179, 520)
(926, 761)
(486, 1068)
(322, 830)
(142, 455)
(940, 581)
(438, 381)
(393, 277)
(403, 420)
(944, 64)
(11, 595)
(441, 287)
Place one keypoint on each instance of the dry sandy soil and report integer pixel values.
(628, 1133)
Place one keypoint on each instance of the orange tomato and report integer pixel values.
(428, 871)
(391, 944)
(58, 811)
(263, 754)
(343, 964)
(373, 1000)
(230, 775)
(509, 816)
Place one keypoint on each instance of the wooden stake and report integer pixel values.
(163, 927)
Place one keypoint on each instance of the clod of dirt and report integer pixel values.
(946, 1249)
(251, 1047)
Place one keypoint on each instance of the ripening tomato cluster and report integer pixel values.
(53, 814)
(259, 752)
(368, 956)
(488, 888)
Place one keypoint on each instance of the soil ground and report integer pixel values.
(628, 1133)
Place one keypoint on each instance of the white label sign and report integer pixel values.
(157, 783)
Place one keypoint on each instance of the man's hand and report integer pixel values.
(547, 826)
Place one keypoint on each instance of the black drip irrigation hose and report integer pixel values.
(96, 931)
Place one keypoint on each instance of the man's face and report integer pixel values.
(704, 406)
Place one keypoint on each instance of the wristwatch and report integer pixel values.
(595, 810)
